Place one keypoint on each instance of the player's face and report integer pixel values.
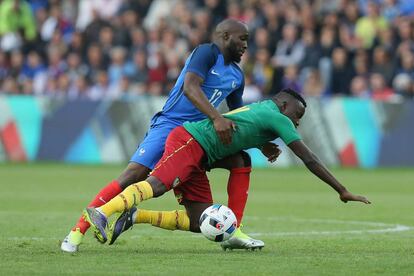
(294, 110)
(237, 44)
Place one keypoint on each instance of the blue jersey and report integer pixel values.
(221, 82)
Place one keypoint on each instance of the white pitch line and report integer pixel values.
(397, 228)
(386, 228)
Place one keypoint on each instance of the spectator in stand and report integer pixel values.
(312, 54)
(77, 45)
(377, 37)
(289, 50)
(407, 65)
(117, 67)
(390, 10)
(360, 64)
(291, 78)
(368, 27)
(16, 65)
(79, 88)
(342, 73)
(17, 24)
(359, 88)
(10, 86)
(379, 88)
(403, 85)
(313, 86)
(138, 41)
(75, 67)
(95, 60)
(56, 22)
(136, 69)
(347, 35)
(252, 92)
(101, 88)
(4, 70)
(33, 65)
(57, 64)
(261, 40)
(327, 42)
(382, 64)
(262, 71)
(273, 24)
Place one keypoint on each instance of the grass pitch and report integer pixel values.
(307, 230)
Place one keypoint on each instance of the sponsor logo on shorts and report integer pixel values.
(176, 182)
(179, 197)
(141, 152)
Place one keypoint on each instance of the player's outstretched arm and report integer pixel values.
(192, 89)
(313, 163)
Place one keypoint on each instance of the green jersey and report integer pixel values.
(256, 124)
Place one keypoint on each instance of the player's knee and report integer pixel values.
(241, 160)
(158, 188)
(246, 160)
(132, 174)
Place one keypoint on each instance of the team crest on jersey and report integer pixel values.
(141, 151)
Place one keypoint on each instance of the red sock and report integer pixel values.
(238, 190)
(106, 194)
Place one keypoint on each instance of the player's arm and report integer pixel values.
(313, 163)
(201, 62)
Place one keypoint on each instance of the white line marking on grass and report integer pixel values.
(385, 227)
(396, 228)
(381, 228)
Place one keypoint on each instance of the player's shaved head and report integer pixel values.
(231, 37)
(229, 26)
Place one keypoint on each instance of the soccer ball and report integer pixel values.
(218, 223)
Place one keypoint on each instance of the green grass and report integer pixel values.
(307, 230)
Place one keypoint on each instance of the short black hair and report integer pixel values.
(294, 94)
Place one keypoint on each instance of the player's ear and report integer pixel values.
(226, 35)
(284, 106)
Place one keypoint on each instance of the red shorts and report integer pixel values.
(181, 168)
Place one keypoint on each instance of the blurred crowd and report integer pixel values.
(107, 49)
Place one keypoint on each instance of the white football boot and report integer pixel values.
(242, 241)
(72, 241)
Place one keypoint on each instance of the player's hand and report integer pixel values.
(347, 196)
(224, 129)
(271, 151)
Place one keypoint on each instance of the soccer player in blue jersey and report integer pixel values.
(210, 75)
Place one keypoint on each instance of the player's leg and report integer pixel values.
(194, 211)
(184, 220)
(239, 166)
(133, 173)
(145, 157)
(194, 194)
(123, 202)
(176, 165)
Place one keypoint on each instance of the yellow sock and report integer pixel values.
(131, 196)
(171, 220)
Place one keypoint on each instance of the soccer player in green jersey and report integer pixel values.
(191, 148)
